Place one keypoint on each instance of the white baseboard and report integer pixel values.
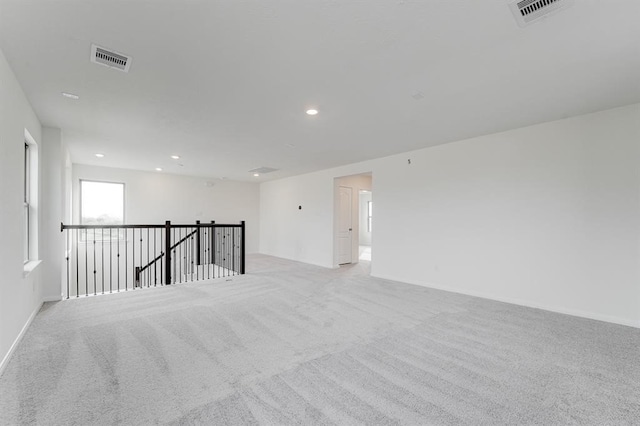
(519, 302)
(52, 298)
(322, 265)
(16, 342)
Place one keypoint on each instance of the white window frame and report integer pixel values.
(26, 254)
(30, 204)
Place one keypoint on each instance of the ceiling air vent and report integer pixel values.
(263, 170)
(111, 59)
(528, 11)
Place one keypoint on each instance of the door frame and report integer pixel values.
(356, 182)
(339, 236)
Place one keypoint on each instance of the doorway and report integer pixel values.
(366, 215)
(345, 226)
(352, 221)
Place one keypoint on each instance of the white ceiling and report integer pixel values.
(225, 83)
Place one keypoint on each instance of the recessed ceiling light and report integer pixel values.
(256, 174)
(175, 157)
(312, 111)
(70, 96)
(99, 155)
(158, 169)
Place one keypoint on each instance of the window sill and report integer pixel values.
(29, 267)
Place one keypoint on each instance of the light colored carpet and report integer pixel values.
(296, 344)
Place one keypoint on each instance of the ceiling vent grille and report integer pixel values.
(528, 11)
(263, 170)
(108, 58)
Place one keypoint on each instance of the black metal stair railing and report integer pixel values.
(112, 258)
(140, 269)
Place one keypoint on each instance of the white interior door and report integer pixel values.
(345, 228)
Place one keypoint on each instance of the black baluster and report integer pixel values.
(197, 242)
(162, 255)
(77, 265)
(126, 259)
(243, 252)
(110, 260)
(102, 255)
(224, 251)
(175, 258)
(86, 263)
(138, 283)
(155, 250)
(118, 256)
(136, 279)
(197, 250)
(94, 262)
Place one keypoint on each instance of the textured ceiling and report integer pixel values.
(225, 84)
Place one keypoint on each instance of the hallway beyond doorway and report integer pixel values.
(364, 253)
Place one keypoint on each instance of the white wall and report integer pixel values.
(306, 234)
(19, 296)
(152, 198)
(545, 216)
(53, 156)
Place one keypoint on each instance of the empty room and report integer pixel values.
(320, 212)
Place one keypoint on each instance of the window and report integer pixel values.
(101, 203)
(26, 209)
(30, 202)
(369, 213)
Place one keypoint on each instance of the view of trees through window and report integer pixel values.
(101, 203)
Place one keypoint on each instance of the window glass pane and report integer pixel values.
(102, 203)
(26, 233)
(27, 171)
